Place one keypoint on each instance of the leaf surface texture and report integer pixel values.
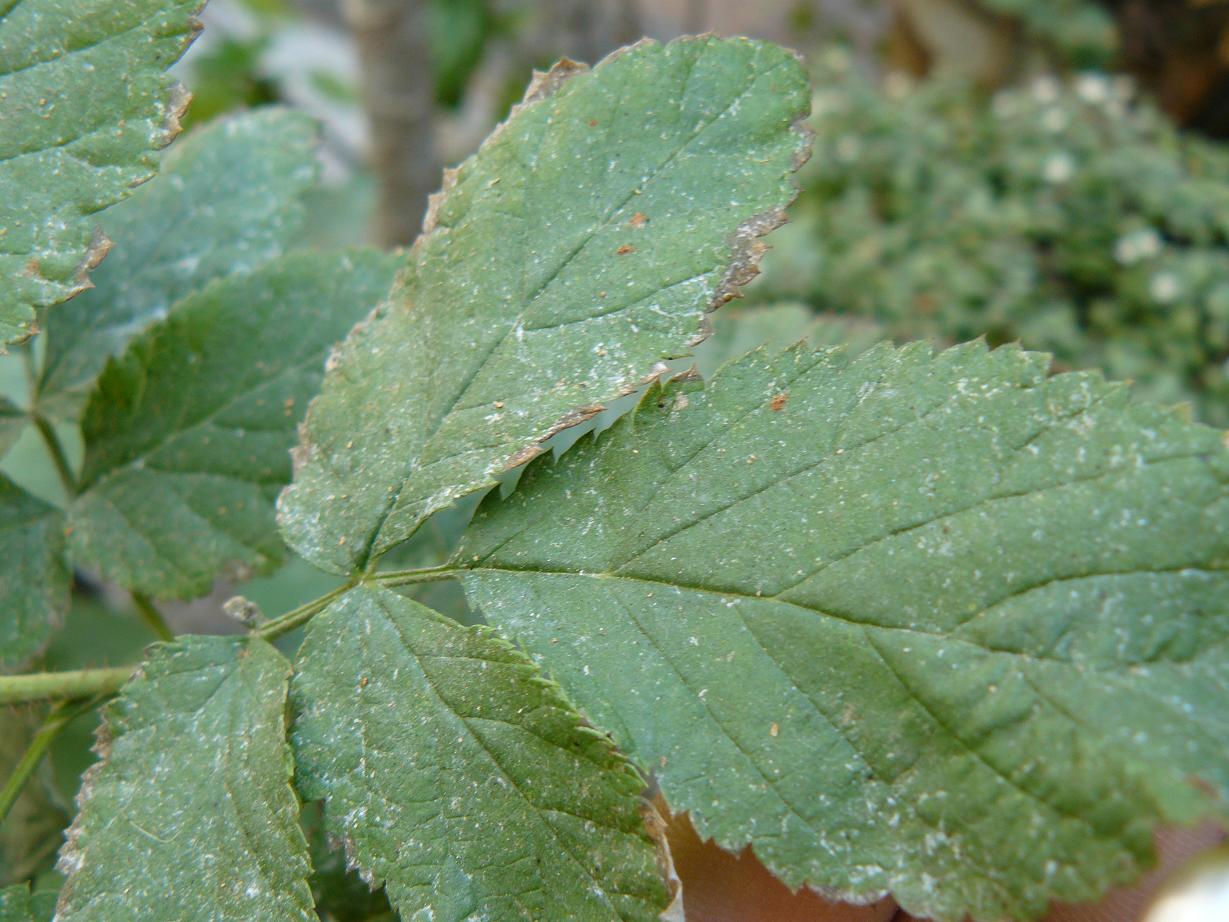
(190, 814)
(226, 200)
(86, 104)
(936, 625)
(580, 246)
(460, 778)
(187, 435)
(34, 577)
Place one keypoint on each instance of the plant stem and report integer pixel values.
(67, 477)
(78, 683)
(409, 577)
(151, 616)
(60, 716)
(301, 615)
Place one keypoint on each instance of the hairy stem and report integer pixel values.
(301, 615)
(151, 616)
(392, 578)
(81, 683)
(60, 716)
(77, 683)
(58, 457)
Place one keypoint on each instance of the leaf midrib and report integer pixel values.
(726, 594)
(534, 809)
(373, 538)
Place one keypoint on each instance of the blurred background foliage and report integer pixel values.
(1047, 171)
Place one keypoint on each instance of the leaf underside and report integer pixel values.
(935, 625)
(190, 814)
(460, 778)
(187, 436)
(34, 577)
(86, 104)
(226, 200)
(581, 245)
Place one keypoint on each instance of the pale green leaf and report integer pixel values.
(579, 247)
(187, 437)
(459, 777)
(34, 577)
(935, 625)
(190, 814)
(85, 102)
(226, 200)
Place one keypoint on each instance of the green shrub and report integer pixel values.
(1072, 217)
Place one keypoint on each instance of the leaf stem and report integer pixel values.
(37, 686)
(60, 459)
(301, 615)
(59, 717)
(77, 683)
(409, 577)
(151, 616)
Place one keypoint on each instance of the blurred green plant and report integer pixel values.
(1071, 216)
(1080, 31)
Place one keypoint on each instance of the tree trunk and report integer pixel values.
(399, 97)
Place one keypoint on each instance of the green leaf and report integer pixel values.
(459, 777)
(18, 904)
(34, 578)
(87, 103)
(935, 625)
(226, 201)
(15, 904)
(190, 814)
(341, 894)
(12, 422)
(581, 245)
(187, 437)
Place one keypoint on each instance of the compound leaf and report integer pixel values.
(35, 579)
(187, 436)
(86, 103)
(936, 625)
(227, 199)
(459, 777)
(190, 814)
(581, 245)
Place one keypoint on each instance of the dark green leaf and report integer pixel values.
(34, 577)
(580, 246)
(187, 437)
(190, 814)
(15, 904)
(940, 626)
(12, 421)
(460, 778)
